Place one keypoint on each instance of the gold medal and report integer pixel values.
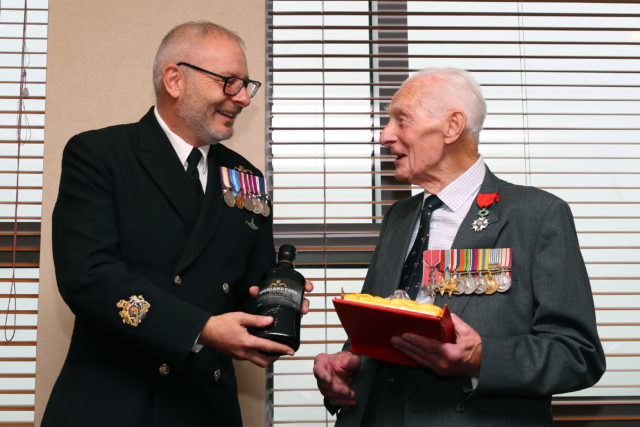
(265, 209)
(239, 202)
(452, 285)
(492, 285)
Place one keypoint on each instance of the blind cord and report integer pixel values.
(10, 319)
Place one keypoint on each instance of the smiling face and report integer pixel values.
(416, 132)
(206, 113)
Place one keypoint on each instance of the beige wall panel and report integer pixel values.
(100, 55)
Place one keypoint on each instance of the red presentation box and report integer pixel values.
(370, 328)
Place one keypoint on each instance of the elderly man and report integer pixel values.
(158, 234)
(514, 349)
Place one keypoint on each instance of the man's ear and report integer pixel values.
(173, 81)
(456, 124)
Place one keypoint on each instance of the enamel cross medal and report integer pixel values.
(484, 200)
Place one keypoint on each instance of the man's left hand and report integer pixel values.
(450, 359)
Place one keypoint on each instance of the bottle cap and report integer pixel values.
(287, 253)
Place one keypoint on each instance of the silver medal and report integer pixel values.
(482, 286)
(505, 283)
(471, 285)
(461, 285)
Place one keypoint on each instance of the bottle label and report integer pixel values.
(280, 292)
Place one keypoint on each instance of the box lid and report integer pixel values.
(370, 328)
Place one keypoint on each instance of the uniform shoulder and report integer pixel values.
(528, 196)
(106, 135)
(225, 156)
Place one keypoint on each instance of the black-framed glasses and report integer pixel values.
(232, 85)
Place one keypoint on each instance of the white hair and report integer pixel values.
(460, 91)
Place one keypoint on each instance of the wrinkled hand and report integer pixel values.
(228, 334)
(334, 374)
(304, 308)
(460, 358)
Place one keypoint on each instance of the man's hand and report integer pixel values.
(460, 358)
(228, 334)
(334, 374)
(308, 287)
(304, 308)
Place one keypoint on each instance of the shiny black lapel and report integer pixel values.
(210, 214)
(467, 238)
(161, 162)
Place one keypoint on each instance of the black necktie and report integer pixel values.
(411, 278)
(192, 168)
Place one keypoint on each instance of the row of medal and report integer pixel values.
(244, 190)
(467, 271)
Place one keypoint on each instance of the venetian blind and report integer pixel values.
(23, 46)
(562, 83)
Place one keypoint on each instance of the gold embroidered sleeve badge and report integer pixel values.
(134, 310)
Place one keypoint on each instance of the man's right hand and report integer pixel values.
(228, 334)
(334, 374)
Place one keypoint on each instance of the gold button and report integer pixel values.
(177, 280)
(225, 287)
(164, 369)
(216, 374)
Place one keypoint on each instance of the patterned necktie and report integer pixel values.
(192, 168)
(411, 278)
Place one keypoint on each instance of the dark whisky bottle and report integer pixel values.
(280, 296)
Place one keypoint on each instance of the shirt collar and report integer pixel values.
(182, 147)
(464, 187)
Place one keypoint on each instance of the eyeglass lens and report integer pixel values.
(234, 85)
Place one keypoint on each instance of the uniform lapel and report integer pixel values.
(467, 238)
(395, 248)
(210, 214)
(163, 165)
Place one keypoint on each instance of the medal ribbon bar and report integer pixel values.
(467, 271)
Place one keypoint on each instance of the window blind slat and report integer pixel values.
(562, 88)
(23, 47)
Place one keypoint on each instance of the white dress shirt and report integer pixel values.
(445, 222)
(183, 149)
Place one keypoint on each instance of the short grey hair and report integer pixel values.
(462, 91)
(178, 44)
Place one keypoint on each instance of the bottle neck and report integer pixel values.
(286, 264)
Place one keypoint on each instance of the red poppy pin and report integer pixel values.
(484, 200)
